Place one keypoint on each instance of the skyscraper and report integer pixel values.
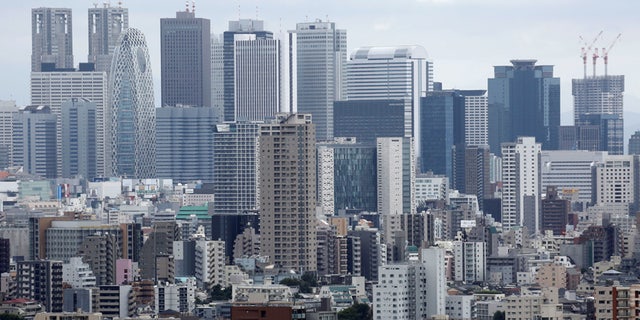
(79, 138)
(476, 118)
(318, 72)
(634, 143)
(288, 192)
(383, 73)
(51, 37)
(367, 120)
(105, 26)
(34, 141)
(520, 193)
(7, 111)
(598, 100)
(524, 100)
(185, 46)
(184, 143)
(131, 115)
(251, 67)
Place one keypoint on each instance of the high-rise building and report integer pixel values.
(101, 251)
(252, 72)
(131, 114)
(434, 260)
(227, 227)
(471, 173)
(401, 291)
(53, 88)
(288, 192)
(235, 158)
(396, 176)
(570, 171)
(385, 73)
(598, 100)
(185, 47)
(442, 117)
(209, 263)
(51, 38)
(520, 193)
(554, 212)
(367, 120)
(581, 137)
(524, 100)
(79, 138)
(34, 141)
(251, 69)
(40, 280)
(470, 260)
(476, 117)
(615, 183)
(633, 147)
(217, 75)
(105, 26)
(318, 72)
(7, 111)
(185, 143)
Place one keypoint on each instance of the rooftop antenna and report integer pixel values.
(119, 4)
(193, 7)
(605, 53)
(186, 5)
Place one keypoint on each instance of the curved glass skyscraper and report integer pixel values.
(131, 117)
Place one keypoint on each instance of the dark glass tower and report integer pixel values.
(524, 100)
(185, 60)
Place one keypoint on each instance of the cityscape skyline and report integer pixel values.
(483, 46)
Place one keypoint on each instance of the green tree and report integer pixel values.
(499, 315)
(218, 293)
(10, 316)
(358, 311)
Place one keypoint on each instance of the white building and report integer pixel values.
(261, 293)
(209, 263)
(53, 88)
(615, 180)
(401, 292)
(460, 307)
(78, 274)
(431, 187)
(520, 193)
(434, 260)
(178, 297)
(470, 260)
(326, 183)
(476, 119)
(570, 170)
(7, 111)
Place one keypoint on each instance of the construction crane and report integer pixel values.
(605, 53)
(586, 49)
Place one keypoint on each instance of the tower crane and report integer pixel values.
(605, 53)
(586, 49)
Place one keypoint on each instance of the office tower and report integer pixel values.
(78, 138)
(582, 137)
(318, 71)
(53, 88)
(470, 260)
(471, 173)
(442, 117)
(40, 280)
(252, 72)
(634, 144)
(288, 192)
(367, 120)
(227, 227)
(105, 26)
(524, 100)
(598, 100)
(570, 171)
(51, 37)
(385, 73)
(7, 111)
(476, 117)
(217, 75)
(434, 261)
(401, 292)
(615, 182)
(554, 212)
(185, 47)
(130, 118)
(235, 159)
(34, 141)
(346, 176)
(185, 143)
(396, 176)
(520, 183)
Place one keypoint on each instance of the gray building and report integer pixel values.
(78, 138)
(105, 26)
(524, 100)
(185, 46)
(367, 120)
(634, 144)
(7, 111)
(34, 141)
(185, 144)
(318, 72)
(51, 38)
(235, 159)
(40, 280)
(77, 299)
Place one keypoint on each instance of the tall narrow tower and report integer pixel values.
(51, 38)
(318, 69)
(105, 26)
(131, 116)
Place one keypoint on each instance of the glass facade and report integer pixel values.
(355, 177)
(367, 120)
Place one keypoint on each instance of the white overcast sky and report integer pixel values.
(464, 38)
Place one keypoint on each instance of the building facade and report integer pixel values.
(34, 141)
(105, 26)
(51, 37)
(79, 138)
